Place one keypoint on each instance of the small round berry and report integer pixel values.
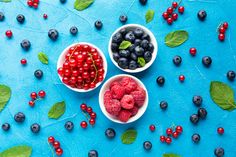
(42, 94)
(2, 16)
(202, 113)
(35, 5)
(206, 61)
(175, 134)
(9, 33)
(222, 30)
(179, 129)
(152, 127)
(25, 44)
(143, 2)
(31, 103)
(63, 1)
(98, 24)
(168, 140)
(110, 133)
(177, 60)
(83, 107)
(165, 15)
(83, 124)
(73, 30)
(93, 115)
(45, 16)
(194, 118)
(231, 75)
(51, 139)
(169, 20)
(59, 151)
(30, 3)
(92, 121)
(69, 126)
(220, 130)
(35, 128)
(162, 139)
(197, 100)
(169, 131)
(6, 126)
(202, 15)
(169, 10)
(20, 18)
(163, 105)
(33, 95)
(196, 138)
(174, 16)
(174, 4)
(160, 80)
(53, 34)
(123, 18)
(92, 153)
(221, 37)
(219, 152)
(19, 117)
(23, 61)
(38, 74)
(181, 78)
(225, 25)
(89, 109)
(147, 145)
(181, 9)
(193, 51)
(56, 144)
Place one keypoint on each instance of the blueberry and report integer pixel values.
(130, 36)
(73, 30)
(147, 145)
(144, 44)
(92, 153)
(137, 42)
(123, 31)
(98, 24)
(194, 118)
(131, 48)
(163, 105)
(160, 80)
(69, 126)
(123, 18)
(19, 117)
(147, 56)
(123, 63)
(177, 60)
(202, 15)
(2, 16)
(206, 61)
(139, 51)
(143, 2)
(110, 133)
(202, 113)
(53, 34)
(35, 128)
(38, 74)
(196, 138)
(138, 32)
(116, 56)
(6, 126)
(117, 38)
(231, 75)
(63, 1)
(197, 100)
(150, 47)
(145, 36)
(25, 44)
(114, 47)
(20, 18)
(219, 152)
(133, 56)
(133, 65)
(124, 53)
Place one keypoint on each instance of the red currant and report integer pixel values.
(66, 65)
(65, 80)
(45, 16)
(225, 25)
(36, 1)
(169, 131)
(168, 140)
(72, 62)
(179, 129)
(89, 109)
(92, 85)
(51, 139)
(79, 79)
(169, 20)
(92, 121)
(181, 9)
(31, 103)
(165, 15)
(162, 139)
(33, 95)
(220, 130)
(174, 16)
(75, 73)
(181, 78)
(175, 134)
(35, 5)
(152, 127)
(85, 75)
(56, 144)
(83, 124)
(93, 115)
(30, 3)
(222, 30)
(23, 61)
(42, 94)
(169, 10)
(59, 151)
(221, 37)
(174, 4)
(9, 33)
(73, 80)
(67, 72)
(193, 51)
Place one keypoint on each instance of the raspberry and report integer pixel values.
(127, 102)
(117, 92)
(107, 97)
(113, 107)
(114, 83)
(124, 115)
(134, 111)
(129, 84)
(139, 96)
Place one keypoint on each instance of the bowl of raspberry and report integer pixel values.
(133, 48)
(82, 67)
(123, 98)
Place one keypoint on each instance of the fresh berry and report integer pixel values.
(20, 18)
(25, 44)
(139, 96)
(53, 34)
(202, 113)
(19, 117)
(220, 130)
(56, 144)
(181, 78)
(59, 151)
(123, 18)
(194, 118)
(124, 115)
(110, 133)
(143, 2)
(174, 16)
(92, 121)
(169, 131)
(231, 75)
(42, 94)
(63, 1)
(169, 20)
(51, 139)
(35, 5)
(93, 115)
(177, 60)
(117, 92)
(112, 106)
(196, 138)
(168, 140)
(206, 61)
(129, 84)
(38, 74)
(165, 15)
(31, 103)
(98, 24)
(162, 139)
(30, 3)
(35, 128)
(181, 9)
(9, 33)
(127, 102)
(45, 16)
(179, 129)
(92, 153)
(175, 134)
(221, 37)
(2, 17)
(83, 124)
(219, 152)
(89, 109)
(6, 126)
(83, 107)
(193, 51)
(163, 105)
(147, 145)
(174, 4)
(73, 30)
(222, 30)
(202, 15)
(197, 100)
(225, 25)
(69, 126)
(152, 127)
(33, 95)
(23, 61)
(170, 10)
(160, 80)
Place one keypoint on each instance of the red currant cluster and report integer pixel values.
(170, 132)
(170, 16)
(56, 145)
(88, 111)
(9, 33)
(83, 67)
(33, 3)
(34, 97)
(222, 29)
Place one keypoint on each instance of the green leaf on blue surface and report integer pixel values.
(129, 136)
(176, 38)
(82, 4)
(171, 155)
(149, 15)
(5, 94)
(43, 57)
(6, 1)
(57, 110)
(17, 151)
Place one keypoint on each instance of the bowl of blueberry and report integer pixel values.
(133, 48)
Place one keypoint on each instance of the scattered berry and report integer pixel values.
(193, 51)
(206, 61)
(143, 2)
(73, 30)
(181, 78)
(56, 144)
(59, 151)
(202, 113)
(168, 140)
(92, 121)
(110, 133)
(83, 107)
(35, 128)
(181, 9)
(19, 117)
(45, 16)
(169, 20)
(69, 126)
(31, 103)
(179, 129)
(169, 131)
(220, 130)
(162, 139)
(160, 80)
(221, 37)
(25, 44)
(177, 60)
(42, 94)
(9, 33)
(23, 61)
(83, 124)
(219, 152)
(202, 15)
(174, 16)
(98, 24)
(63, 1)
(175, 134)
(92, 153)
(51, 139)
(174, 4)
(163, 105)
(123, 18)
(2, 17)
(53, 34)
(231, 75)
(89, 109)
(147, 145)
(225, 25)
(194, 118)
(165, 15)
(33, 95)
(30, 3)
(196, 138)
(6, 126)
(197, 100)
(152, 127)
(20, 18)
(38, 74)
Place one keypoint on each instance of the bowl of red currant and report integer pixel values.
(82, 67)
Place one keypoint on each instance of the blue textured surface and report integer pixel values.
(203, 36)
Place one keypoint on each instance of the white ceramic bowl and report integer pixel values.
(152, 40)
(106, 86)
(61, 60)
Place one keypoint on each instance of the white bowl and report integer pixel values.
(152, 39)
(61, 60)
(106, 86)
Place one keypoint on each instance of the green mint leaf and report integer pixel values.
(17, 151)
(141, 61)
(5, 94)
(124, 45)
(6, 1)
(129, 136)
(176, 38)
(43, 57)
(222, 95)
(171, 155)
(82, 4)
(57, 110)
(149, 15)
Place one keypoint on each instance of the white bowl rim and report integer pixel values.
(61, 57)
(153, 41)
(141, 110)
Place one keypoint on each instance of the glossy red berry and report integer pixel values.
(36, 1)
(56, 144)
(92, 121)
(169, 10)
(220, 130)
(42, 94)
(175, 134)
(9, 33)
(51, 139)
(174, 4)
(33, 95)
(165, 15)
(35, 5)
(89, 109)
(162, 139)
(31, 103)
(179, 129)
(45, 16)
(222, 29)
(181, 9)
(23, 61)
(59, 151)
(181, 78)
(168, 140)
(169, 20)
(83, 124)
(174, 16)
(221, 37)
(193, 51)
(225, 25)
(30, 3)
(169, 131)
(93, 115)
(152, 127)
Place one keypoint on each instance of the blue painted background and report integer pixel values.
(203, 36)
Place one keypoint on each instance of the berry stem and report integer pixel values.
(53, 155)
(86, 115)
(90, 55)
(179, 2)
